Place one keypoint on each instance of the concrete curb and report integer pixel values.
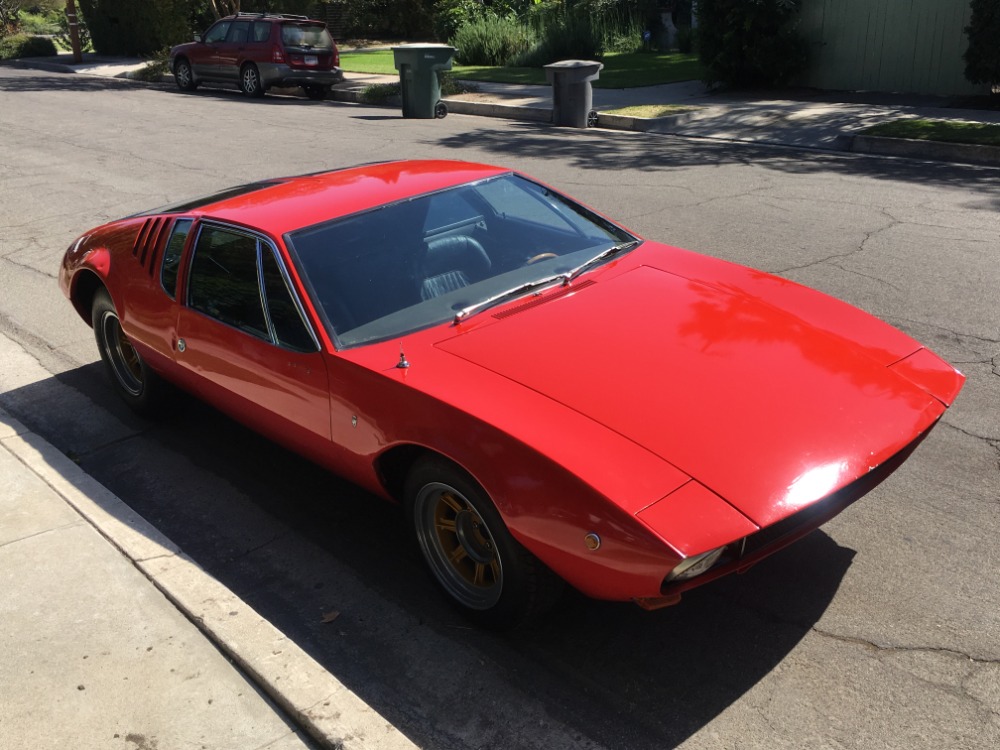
(919, 149)
(28, 64)
(495, 109)
(323, 706)
(644, 124)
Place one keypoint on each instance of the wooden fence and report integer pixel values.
(912, 46)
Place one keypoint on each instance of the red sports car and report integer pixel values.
(542, 390)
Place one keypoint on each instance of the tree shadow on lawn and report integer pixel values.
(295, 542)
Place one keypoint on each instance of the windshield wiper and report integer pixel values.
(516, 291)
(613, 250)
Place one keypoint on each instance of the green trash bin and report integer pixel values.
(418, 66)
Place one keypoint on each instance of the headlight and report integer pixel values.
(694, 566)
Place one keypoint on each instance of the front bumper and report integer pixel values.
(744, 554)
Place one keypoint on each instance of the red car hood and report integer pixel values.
(766, 409)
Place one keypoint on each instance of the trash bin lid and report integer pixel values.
(413, 54)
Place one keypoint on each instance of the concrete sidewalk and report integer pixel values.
(113, 638)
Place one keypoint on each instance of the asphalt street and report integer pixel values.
(881, 630)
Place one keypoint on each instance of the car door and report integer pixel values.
(205, 54)
(243, 343)
(232, 51)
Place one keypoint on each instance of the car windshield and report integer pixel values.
(408, 265)
(306, 36)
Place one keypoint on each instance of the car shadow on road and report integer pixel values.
(298, 544)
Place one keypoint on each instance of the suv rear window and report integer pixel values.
(306, 36)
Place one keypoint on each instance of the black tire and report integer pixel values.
(494, 581)
(440, 110)
(250, 83)
(140, 388)
(315, 91)
(184, 76)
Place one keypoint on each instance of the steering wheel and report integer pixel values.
(541, 256)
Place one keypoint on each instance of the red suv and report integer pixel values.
(261, 50)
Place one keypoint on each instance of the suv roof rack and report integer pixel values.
(265, 14)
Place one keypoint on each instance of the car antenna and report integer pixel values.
(403, 363)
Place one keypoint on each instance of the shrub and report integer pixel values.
(619, 30)
(492, 41)
(451, 15)
(982, 58)
(154, 70)
(379, 18)
(25, 45)
(746, 43)
(38, 23)
(136, 27)
(564, 36)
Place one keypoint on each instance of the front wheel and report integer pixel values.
(184, 76)
(141, 388)
(250, 82)
(485, 572)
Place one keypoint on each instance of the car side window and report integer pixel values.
(217, 33)
(289, 329)
(172, 256)
(224, 282)
(260, 32)
(239, 32)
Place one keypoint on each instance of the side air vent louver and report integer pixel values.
(540, 300)
(147, 242)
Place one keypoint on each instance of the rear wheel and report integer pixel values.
(485, 572)
(184, 76)
(141, 388)
(250, 82)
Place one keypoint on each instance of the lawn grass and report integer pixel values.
(976, 133)
(651, 111)
(621, 70)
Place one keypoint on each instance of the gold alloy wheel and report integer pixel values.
(124, 359)
(458, 546)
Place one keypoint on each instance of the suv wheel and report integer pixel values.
(184, 76)
(250, 81)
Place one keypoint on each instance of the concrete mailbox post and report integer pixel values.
(418, 66)
(572, 95)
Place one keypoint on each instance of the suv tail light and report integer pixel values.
(276, 55)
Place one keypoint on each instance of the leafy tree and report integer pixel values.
(222, 8)
(136, 27)
(411, 19)
(982, 58)
(745, 43)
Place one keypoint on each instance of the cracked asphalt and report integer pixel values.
(881, 630)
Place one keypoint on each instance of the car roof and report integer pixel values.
(286, 204)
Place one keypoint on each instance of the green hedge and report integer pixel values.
(25, 45)
(136, 27)
(744, 43)
(982, 58)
